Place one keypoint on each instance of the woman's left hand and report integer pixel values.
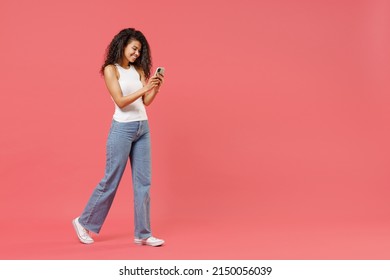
(157, 80)
(161, 78)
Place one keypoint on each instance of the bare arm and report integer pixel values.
(111, 79)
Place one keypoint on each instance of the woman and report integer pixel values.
(126, 72)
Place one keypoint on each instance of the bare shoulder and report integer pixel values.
(139, 70)
(111, 71)
(141, 73)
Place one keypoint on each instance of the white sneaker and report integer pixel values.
(151, 241)
(82, 233)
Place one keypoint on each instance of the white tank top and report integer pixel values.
(130, 82)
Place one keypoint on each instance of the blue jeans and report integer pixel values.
(125, 140)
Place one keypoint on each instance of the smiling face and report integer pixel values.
(131, 52)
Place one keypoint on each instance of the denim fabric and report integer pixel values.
(125, 140)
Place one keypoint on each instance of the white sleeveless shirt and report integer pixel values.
(130, 82)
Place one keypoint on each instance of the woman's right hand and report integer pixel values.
(153, 82)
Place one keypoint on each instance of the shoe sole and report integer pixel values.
(78, 235)
(141, 243)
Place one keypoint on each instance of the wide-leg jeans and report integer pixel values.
(130, 140)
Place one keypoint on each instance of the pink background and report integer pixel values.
(270, 138)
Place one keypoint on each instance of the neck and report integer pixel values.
(125, 63)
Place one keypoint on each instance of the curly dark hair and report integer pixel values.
(114, 52)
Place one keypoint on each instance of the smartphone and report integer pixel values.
(160, 70)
